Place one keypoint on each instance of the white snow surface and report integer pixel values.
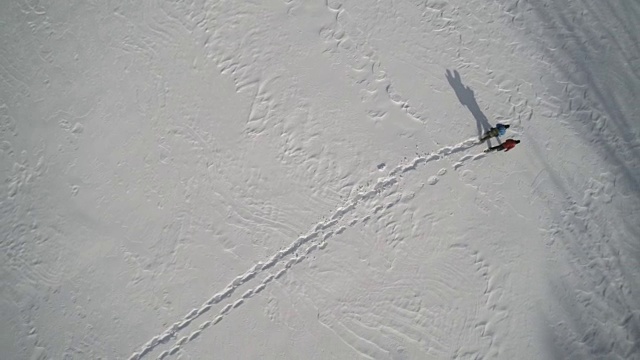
(301, 179)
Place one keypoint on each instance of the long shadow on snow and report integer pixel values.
(577, 54)
(468, 99)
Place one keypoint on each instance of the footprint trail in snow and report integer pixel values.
(315, 238)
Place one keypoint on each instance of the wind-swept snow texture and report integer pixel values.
(302, 180)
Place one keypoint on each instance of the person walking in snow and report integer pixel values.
(506, 146)
(499, 130)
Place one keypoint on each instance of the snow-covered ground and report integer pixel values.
(301, 179)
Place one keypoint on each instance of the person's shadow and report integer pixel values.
(467, 98)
